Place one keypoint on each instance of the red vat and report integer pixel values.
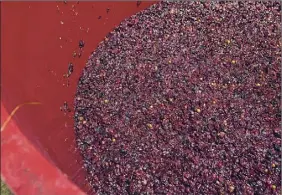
(38, 150)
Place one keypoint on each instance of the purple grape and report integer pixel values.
(184, 98)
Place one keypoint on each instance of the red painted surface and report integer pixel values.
(38, 154)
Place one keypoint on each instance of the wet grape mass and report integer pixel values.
(184, 98)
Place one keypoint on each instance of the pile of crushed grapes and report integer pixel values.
(184, 98)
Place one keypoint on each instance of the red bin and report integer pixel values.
(38, 41)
